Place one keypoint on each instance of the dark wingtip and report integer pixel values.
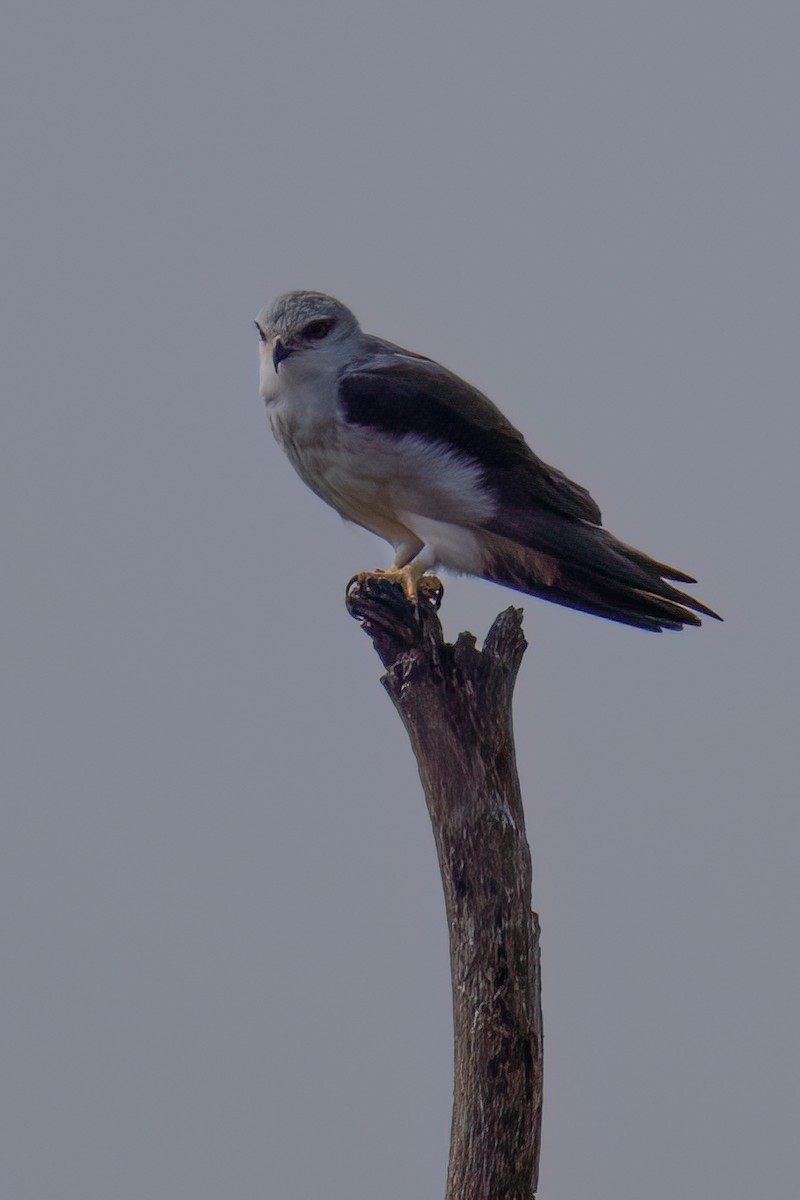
(697, 605)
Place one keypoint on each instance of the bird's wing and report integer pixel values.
(545, 536)
(400, 393)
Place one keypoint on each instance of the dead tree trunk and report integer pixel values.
(455, 703)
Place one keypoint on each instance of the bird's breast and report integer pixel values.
(315, 440)
(370, 476)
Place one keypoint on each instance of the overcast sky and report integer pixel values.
(224, 954)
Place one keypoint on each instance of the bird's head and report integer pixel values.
(301, 332)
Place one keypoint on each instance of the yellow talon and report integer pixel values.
(399, 575)
(411, 583)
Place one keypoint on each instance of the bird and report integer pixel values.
(400, 445)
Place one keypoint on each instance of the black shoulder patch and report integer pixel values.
(401, 399)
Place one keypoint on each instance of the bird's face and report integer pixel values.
(300, 336)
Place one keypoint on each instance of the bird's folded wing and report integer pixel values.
(405, 395)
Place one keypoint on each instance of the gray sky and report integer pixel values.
(224, 954)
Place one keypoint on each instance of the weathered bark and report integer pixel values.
(455, 703)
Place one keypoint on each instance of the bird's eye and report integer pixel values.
(261, 333)
(318, 329)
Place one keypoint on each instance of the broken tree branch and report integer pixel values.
(455, 702)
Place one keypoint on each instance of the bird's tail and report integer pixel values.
(582, 566)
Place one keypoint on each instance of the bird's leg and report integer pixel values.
(399, 575)
(407, 580)
(408, 568)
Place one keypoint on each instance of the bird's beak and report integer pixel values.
(279, 353)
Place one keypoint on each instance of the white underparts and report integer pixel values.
(426, 498)
(443, 545)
